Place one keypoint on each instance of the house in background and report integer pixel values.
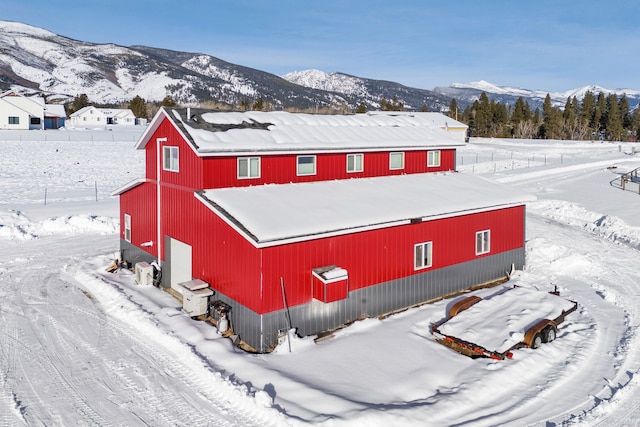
(311, 221)
(19, 112)
(91, 116)
(55, 116)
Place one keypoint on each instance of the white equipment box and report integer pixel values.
(144, 273)
(195, 297)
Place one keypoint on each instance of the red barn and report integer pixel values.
(262, 207)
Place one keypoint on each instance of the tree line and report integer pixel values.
(598, 116)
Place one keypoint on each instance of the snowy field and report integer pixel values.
(80, 346)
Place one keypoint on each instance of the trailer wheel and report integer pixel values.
(536, 342)
(549, 334)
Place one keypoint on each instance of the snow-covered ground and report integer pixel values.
(80, 346)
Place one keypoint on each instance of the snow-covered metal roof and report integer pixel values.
(273, 214)
(222, 133)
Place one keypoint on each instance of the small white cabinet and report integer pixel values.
(195, 297)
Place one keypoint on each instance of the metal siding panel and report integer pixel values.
(221, 172)
(316, 317)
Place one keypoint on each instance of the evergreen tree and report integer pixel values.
(613, 119)
(483, 116)
(499, 119)
(600, 114)
(138, 106)
(518, 112)
(168, 101)
(453, 109)
(551, 120)
(635, 122)
(78, 103)
(362, 108)
(625, 112)
(424, 108)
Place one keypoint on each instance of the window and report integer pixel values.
(127, 227)
(306, 165)
(422, 258)
(14, 120)
(483, 245)
(355, 162)
(433, 158)
(170, 159)
(248, 167)
(35, 120)
(396, 161)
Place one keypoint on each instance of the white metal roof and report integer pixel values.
(271, 214)
(222, 133)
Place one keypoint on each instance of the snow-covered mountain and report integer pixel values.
(34, 60)
(468, 92)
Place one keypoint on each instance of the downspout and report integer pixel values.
(159, 142)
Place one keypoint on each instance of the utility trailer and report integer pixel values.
(498, 323)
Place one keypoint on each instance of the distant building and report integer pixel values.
(19, 112)
(313, 221)
(92, 116)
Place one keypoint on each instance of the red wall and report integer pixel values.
(371, 257)
(251, 276)
(140, 204)
(221, 172)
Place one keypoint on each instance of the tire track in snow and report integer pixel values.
(208, 383)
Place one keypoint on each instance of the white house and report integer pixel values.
(29, 112)
(92, 116)
(21, 112)
(457, 129)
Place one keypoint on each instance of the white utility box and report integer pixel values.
(144, 273)
(195, 297)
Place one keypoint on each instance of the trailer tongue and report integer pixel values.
(497, 324)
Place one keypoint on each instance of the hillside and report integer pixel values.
(34, 60)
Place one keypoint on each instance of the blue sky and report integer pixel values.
(548, 45)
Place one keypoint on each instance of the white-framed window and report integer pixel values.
(433, 158)
(483, 242)
(422, 255)
(14, 120)
(306, 165)
(170, 159)
(396, 161)
(248, 167)
(355, 162)
(127, 227)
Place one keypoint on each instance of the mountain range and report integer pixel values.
(36, 61)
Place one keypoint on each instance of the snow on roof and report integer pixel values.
(252, 131)
(438, 119)
(499, 321)
(54, 110)
(271, 214)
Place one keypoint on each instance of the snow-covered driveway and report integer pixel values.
(65, 359)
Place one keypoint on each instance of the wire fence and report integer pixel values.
(61, 135)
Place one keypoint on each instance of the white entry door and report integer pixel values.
(180, 266)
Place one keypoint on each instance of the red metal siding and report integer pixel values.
(221, 172)
(233, 266)
(140, 204)
(190, 166)
(329, 292)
